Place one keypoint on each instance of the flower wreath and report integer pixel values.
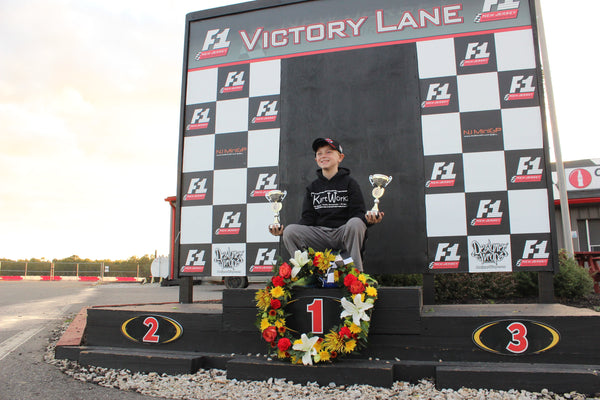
(360, 293)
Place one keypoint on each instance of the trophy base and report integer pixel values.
(373, 212)
(274, 226)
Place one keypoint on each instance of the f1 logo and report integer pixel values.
(446, 257)
(521, 84)
(438, 92)
(265, 257)
(528, 170)
(264, 183)
(234, 82)
(267, 112)
(195, 258)
(477, 51)
(231, 220)
(445, 252)
(501, 6)
(535, 249)
(487, 209)
(215, 44)
(200, 119)
(217, 38)
(442, 170)
(197, 189)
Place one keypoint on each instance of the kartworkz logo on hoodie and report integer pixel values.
(330, 199)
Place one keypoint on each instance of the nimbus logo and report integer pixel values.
(528, 170)
(215, 44)
(534, 254)
(234, 82)
(197, 189)
(477, 54)
(267, 112)
(200, 119)
(521, 88)
(495, 10)
(437, 95)
(446, 257)
(442, 176)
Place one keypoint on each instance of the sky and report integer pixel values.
(90, 93)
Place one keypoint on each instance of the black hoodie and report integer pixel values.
(332, 202)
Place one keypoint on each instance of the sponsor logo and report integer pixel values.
(330, 199)
(495, 10)
(197, 189)
(521, 88)
(446, 257)
(580, 178)
(437, 95)
(528, 170)
(267, 112)
(482, 132)
(200, 119)
(231, 151)
(228, 259)
(230, 224)
(265, 260)
(215, 44)
(534, 254)
(442, 176)
(477, 54)
(489, 253)
(264, 184)
(234, 82)
(488, 213)
(194, 261)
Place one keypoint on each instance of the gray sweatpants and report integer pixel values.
(349, 237)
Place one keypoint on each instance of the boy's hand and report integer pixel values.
(374, 218)
(276, 230)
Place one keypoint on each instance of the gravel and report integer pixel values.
(213, 384)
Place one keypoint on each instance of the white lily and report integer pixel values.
(300, 260)
(357, 309)
(308, 347)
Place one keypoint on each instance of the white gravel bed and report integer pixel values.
(213, 384)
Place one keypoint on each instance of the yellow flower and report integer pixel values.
(324, 355)
(350, 346)
(263, 299)
(362, 278)
(371, 291)
(336, 275)
(279, 323)
(277, 291)
(298, 341)
(264, 324)
(318, 345)
(333, 342)
(281, 354)
(355, 328)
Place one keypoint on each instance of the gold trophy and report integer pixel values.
(379, 183)
(275, 197)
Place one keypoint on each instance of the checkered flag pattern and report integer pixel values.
(486, 196)
(230, 160)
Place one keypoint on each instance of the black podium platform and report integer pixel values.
(553, 346)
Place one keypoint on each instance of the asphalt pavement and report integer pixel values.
(31, 310)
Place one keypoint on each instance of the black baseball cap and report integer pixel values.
(320, 142)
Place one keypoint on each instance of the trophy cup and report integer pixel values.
(275, 197)
(379, 183)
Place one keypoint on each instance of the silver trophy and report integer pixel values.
(379, 183)
(275, 197)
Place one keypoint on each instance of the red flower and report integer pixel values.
(334, 354)
(345, 332)
(357, 287)
(317, 259)
(277, 281)
(283, 344)
(270, 334)
(349, 279)
(272, 313)
(281, 329)
(275, 304)
(285, 271)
